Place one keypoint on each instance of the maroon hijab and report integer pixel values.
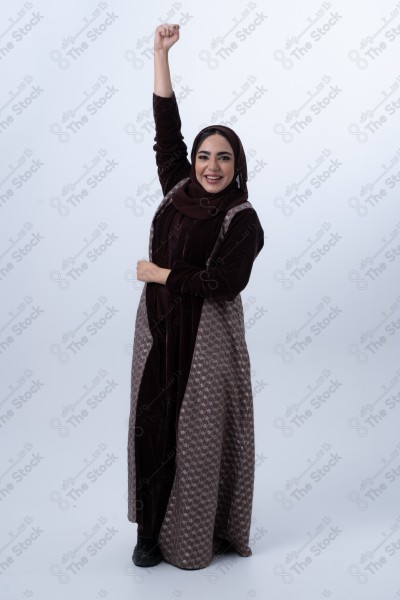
(194, 201)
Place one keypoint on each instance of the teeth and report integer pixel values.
(209, 177)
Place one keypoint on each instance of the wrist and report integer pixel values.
(161, 53)
(162, 275)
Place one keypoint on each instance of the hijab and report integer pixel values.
(195, 202)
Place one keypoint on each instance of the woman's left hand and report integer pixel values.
(149, 272)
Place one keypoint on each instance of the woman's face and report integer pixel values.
(215, 163)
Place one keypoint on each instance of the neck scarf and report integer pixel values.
(195, 202)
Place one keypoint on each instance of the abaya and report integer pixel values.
(191, 428)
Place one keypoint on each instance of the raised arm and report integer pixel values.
(171, 150)
(165, 37)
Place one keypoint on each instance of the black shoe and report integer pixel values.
(147, 552)
(223, 546)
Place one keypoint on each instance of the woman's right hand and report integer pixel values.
(165, 36)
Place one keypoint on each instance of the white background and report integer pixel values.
(312, 89)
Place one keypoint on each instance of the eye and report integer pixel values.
(226, 157)
(202, 156)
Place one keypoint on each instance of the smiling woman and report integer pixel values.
(191, 456)
(214, 162)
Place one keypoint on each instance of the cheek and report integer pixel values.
(197, 168)
(230, 172)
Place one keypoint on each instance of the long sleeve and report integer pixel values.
(229, 271)
(171, 150)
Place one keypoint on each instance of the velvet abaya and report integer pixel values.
(191, 432)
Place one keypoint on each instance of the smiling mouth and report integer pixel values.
(213, 179)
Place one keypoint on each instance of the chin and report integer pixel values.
(213, 189)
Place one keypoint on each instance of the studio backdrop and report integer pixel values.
(313, 90)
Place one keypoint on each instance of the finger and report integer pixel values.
(162, 30)
(166, 30)
(170, 30)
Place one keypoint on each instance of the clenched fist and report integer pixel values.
(166, 35)
(149, 272)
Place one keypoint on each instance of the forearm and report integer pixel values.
(229, 271)
(215, 284)
(162, 76)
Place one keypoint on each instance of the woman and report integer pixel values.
(191, 436)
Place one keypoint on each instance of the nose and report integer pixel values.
(214, 164)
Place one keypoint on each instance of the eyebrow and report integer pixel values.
(218, 153)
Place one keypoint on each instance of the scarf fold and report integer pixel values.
(194, 201)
